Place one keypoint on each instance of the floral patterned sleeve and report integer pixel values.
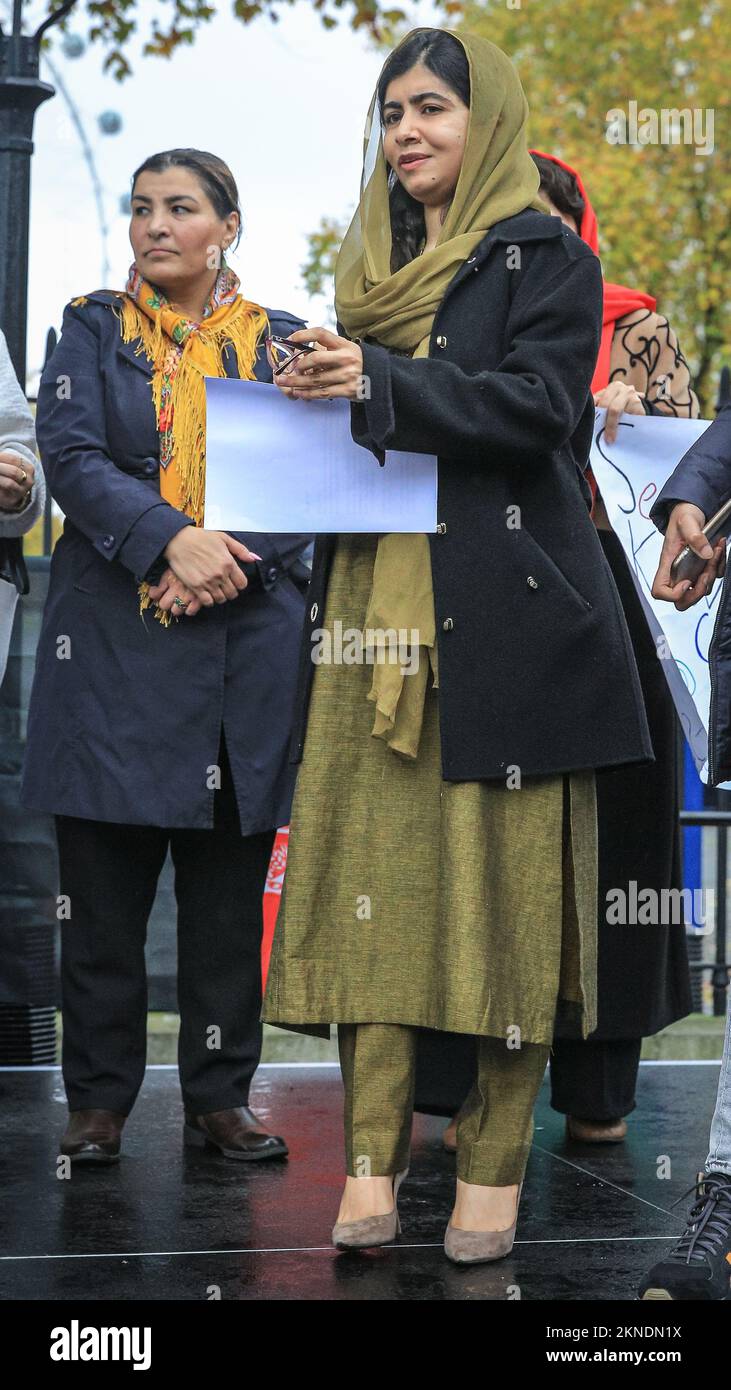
(646, 354)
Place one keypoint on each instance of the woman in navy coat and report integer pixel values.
(698, 1265)
(146, 733)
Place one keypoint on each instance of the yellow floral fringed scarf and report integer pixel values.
(183, 354)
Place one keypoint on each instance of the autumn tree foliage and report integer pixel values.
(664, 210)
(164, 25)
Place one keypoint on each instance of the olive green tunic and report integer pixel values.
(460, 906)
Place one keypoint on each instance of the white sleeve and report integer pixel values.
(17, 436)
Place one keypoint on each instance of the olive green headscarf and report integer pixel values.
(497, 180)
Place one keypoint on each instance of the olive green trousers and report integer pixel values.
(495, 1129)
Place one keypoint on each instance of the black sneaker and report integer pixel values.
(700, 1265)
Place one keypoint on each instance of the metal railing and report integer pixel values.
(720, 967)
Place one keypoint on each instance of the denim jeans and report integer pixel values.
(719, 1155)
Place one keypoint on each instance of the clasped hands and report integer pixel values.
(203, 570)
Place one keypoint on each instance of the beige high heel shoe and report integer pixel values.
(370, 1230)
(477, 1247)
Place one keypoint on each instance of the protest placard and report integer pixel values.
(630, 474)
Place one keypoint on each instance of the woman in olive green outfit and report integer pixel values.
(411, 900)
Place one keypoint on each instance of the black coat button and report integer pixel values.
(151, 466)
(448, 624)
(441, 340)
(108, 542)
(272, 573)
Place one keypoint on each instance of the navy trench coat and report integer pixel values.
(703, 477)
(536, 668)
(125, 714)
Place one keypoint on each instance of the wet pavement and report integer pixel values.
(170, 1222)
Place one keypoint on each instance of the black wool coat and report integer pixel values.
(536, 669)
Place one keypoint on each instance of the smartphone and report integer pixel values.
(280, 352)
(688, 565)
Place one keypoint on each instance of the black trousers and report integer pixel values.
(594, 1080)
(109, 873)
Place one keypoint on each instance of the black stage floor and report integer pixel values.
(175, 1223)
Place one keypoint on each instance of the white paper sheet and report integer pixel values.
(277, 464)
(630, 474)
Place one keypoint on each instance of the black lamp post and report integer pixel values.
(21, 93)
(28, 880)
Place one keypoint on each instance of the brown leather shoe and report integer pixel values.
(92, 1136)
(237, 1133)
(595, 1131)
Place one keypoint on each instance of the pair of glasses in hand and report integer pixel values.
(280, 352)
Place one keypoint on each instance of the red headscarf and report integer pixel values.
(618, 299)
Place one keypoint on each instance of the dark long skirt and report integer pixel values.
(643, 976)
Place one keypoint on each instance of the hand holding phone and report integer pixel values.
(688, 564)
(684, 533)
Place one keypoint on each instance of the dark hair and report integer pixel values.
(214, 176)
(561, 187)
(443, 55)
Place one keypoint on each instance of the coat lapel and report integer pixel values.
(141, 361)
(126, 350)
